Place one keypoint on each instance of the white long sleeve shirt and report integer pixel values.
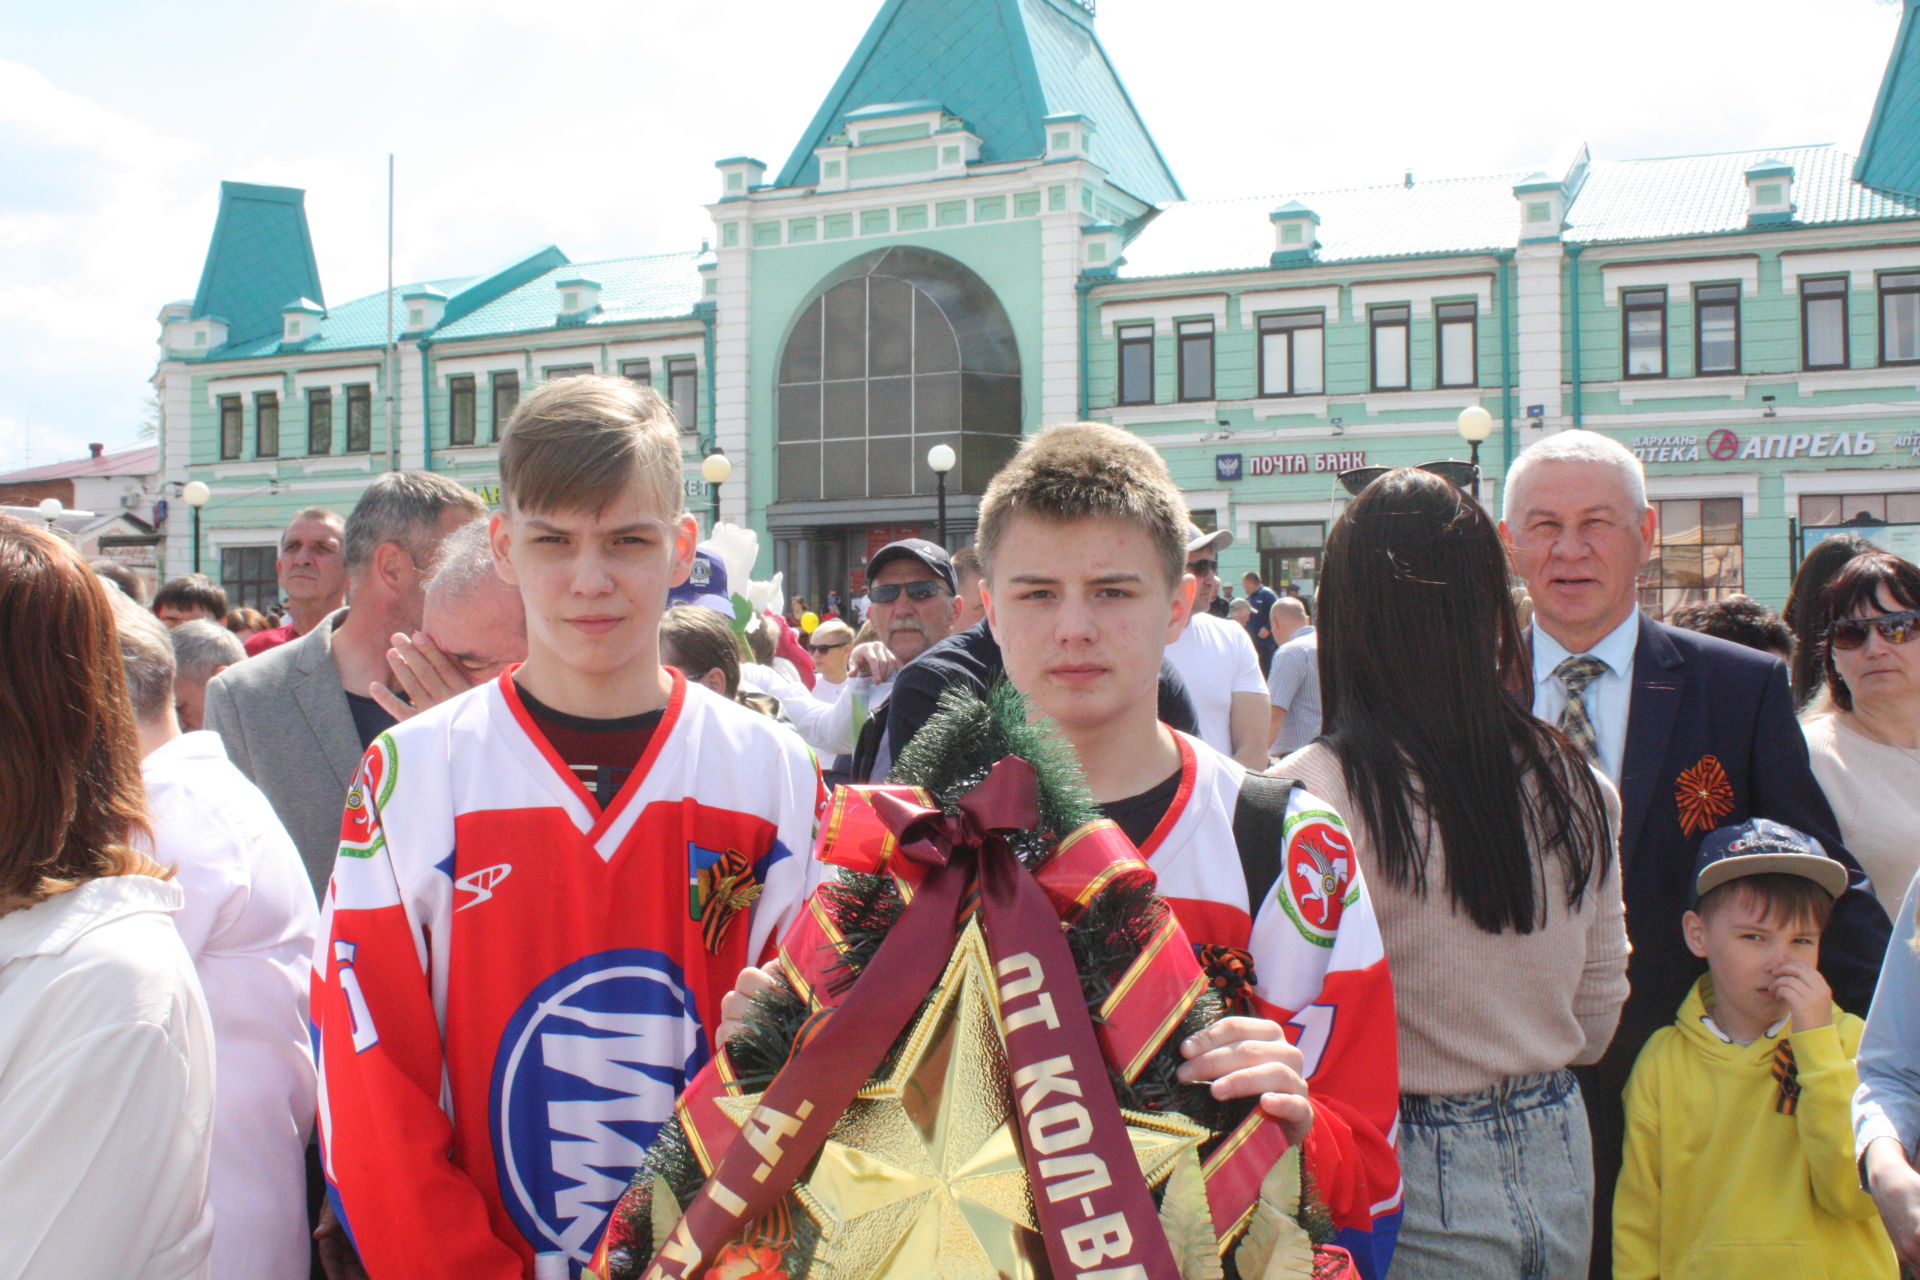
(249, 924)
(106, 1089)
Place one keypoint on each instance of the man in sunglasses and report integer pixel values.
(1696, 733)
(912, 606)
(1218, 663)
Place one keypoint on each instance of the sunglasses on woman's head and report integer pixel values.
(1894, 628)
(1460, 475)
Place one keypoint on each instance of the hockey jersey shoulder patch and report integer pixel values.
(372, 788)
(1317, 881)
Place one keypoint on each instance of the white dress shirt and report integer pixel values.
(248, 922)
(1608, 698)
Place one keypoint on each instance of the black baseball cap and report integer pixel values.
(1758, 847)
(930, 554)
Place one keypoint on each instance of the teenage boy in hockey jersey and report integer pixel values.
(1082, 537)
(547, 883)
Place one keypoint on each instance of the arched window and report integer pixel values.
(900, 350)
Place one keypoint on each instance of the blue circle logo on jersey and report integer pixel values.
(588, 1071)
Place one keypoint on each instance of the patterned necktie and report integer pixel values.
(1575, 674)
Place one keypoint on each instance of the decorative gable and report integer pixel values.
(1296, 234)
(1069, 136)
(1769, 191)
(896, 142)
(1543, 208)
(425, 307)
(300, 321)
(740, 175)
(579, 298)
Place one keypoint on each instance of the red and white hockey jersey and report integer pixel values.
(514, 985)
(1320, 971)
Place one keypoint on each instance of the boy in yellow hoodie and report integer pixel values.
(1739, 1151)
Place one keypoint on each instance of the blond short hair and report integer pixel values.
(576, 444)
(1077, 470)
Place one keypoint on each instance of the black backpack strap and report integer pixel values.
(1259, 826)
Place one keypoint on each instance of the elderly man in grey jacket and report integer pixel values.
(296, 719)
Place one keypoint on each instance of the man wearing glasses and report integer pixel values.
(1695, 732)
(1218, 663)
(912, 606)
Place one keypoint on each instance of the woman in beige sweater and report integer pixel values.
(1488, 843)
(1864, 733)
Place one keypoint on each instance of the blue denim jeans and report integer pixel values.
(1499, 1184)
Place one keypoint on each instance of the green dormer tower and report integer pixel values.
(914, 270)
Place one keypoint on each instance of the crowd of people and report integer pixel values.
(382, 941)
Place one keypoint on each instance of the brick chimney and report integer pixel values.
(96, 449)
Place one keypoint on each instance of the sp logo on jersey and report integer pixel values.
(1316, 882)
(482, 883)
(589, 1067)
(372, 787)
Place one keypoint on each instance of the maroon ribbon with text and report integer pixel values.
(1092, 1204)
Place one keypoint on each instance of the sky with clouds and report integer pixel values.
(594, 125)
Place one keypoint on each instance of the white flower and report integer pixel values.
(737, 548)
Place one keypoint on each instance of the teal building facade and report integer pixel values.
(976, 235)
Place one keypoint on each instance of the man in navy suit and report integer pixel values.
(1696, 733)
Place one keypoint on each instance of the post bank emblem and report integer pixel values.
(588, 1070)
(1316, 882)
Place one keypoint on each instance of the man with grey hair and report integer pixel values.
(249, 922)
(1695, 732)
(474, 627)
(297, 718)
(201, 651)
(312, 572)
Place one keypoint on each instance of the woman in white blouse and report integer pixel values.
(106, 1051)
(1863, 734)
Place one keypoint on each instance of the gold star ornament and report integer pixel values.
(922, 1176)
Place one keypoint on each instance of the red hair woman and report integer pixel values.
(106, 1053)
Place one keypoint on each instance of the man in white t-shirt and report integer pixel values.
(249, 924)
(1219, 664)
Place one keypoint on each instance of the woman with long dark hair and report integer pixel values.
(106, 1051)
(1489, 846)
(1807, 619)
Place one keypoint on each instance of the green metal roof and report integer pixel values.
(347, 327)
(1452, 215)
(662, 286)
(1890, 155)
(1707, 195)
(1003, 66)
(261, 259)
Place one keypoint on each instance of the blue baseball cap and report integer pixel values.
(706, 584)
(1759, 847)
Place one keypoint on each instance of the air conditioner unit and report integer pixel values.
(132, 501)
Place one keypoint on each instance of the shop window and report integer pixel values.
(1293, 354)
(1195, 338)
(266, 424)
(359, 418)
(460, 411)
(1136, 363)
(320, 421)
(1858, 510)
(1716, 328)
(1823, 323)
(247, 576)
(1458, 324)
(1392, 351)
(1900, 318)
(1700, 556)
(683, 391)
(640, 371)
(232, 430)
(1643, 332)
(506, 398)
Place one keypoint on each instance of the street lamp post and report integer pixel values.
(715, 469)
(50, 509)
(195, 494)
(1476, 424)
(941, 459)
